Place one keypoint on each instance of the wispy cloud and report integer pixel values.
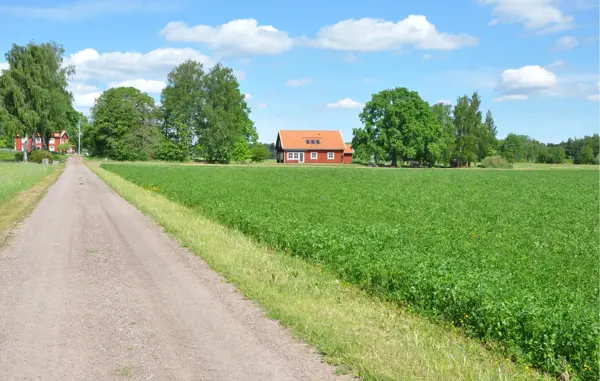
(345, 103)
(86, 9)
(511, 97)
(298, 82)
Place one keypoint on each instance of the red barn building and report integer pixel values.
(55, 140)
(312, 146)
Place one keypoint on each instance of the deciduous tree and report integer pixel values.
(401, 125)
(443, 113)
(182, 103)
(125, 125)
(225, 116)
(33, 91)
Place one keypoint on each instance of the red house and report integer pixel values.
(312, 146)
(55, 140)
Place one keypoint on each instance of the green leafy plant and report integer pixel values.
(495, 162)
(39, 155)
(511, 256)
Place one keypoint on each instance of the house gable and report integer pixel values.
(303, 140)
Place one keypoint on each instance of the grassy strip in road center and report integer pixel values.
(359, 334)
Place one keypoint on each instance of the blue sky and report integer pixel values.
(313, 64)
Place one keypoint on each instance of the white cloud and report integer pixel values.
(527, 81)
(85, 9)
(511, 97)
(369, 34)
(262, 105)
(248, 96)
(594, 97)
(235, 37)
(528, 77)
(298, 82)
(96, 71)
(3, 66)
(145, 85)
(540, 15)
(444, 101)
(564, 43)
(89, 64)
(427, 57)
(345, 103)
(84, 95)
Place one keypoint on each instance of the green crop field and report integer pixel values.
(510, 256)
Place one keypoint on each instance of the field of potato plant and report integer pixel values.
(510, 256)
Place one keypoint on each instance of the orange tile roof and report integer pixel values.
(297, 139)
(348, 149)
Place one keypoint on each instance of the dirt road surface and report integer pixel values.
(91, 289)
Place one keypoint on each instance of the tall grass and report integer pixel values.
(16, 177)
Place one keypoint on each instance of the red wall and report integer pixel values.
(19, 145)
(321, 157)
(348, 159)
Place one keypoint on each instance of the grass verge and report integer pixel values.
(22, 186)
(361, 335)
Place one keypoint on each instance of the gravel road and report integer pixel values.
(91, 289)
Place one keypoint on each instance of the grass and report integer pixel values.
(22, 185)
(542, 166)
(360, 334)
(7, 155)
(510, 256)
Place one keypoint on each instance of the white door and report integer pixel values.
(301, 159)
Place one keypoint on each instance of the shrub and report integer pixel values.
(64, 147)
(58, 156)
(495, 162)
(19, 156)
(39, 155)
(169, 151)
(260, 153)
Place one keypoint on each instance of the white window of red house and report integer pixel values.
(51, 148)
(51, 140)
(38, 140)
(330, 155)
(314, 155)
(293, 156)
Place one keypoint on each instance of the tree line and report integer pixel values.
(202, 114)
(400, 127)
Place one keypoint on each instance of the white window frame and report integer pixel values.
(293, 155)
(38, 140)
(51, 141)
(51, 148)
(330, 155)
(314, 155)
